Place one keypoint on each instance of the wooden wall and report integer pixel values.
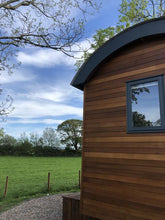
(123, 175)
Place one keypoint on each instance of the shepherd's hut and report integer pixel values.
(123, 159)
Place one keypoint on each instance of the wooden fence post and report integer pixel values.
(48, 181)
(6, 185)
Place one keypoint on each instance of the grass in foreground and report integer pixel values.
(28, 177)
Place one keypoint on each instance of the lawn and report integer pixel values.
(28, 177)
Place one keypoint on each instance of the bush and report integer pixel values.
(27, 149)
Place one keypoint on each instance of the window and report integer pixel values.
(145, 105)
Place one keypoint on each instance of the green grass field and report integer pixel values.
(28, 177)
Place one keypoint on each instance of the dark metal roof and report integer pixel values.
(141, 30)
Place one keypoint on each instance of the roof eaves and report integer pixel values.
(129, 35)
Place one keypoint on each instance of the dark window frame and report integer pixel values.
(129, 84)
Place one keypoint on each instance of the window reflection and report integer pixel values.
(145, 105)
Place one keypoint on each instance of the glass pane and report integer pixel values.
(145, 105)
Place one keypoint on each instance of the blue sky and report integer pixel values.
(40, 86)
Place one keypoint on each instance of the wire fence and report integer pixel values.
(31, 186)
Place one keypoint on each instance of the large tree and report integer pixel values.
(55, 24)
(71, 133)
(130, 12)
(49, 138)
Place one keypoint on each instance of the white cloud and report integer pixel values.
(45, 58)
(35, 121)
(52, 94)
(34, 109)
(51, 121)
(49, 58)
(58, 93)
(41, 100)
(18, 76)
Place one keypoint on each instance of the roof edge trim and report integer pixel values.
(141, 30)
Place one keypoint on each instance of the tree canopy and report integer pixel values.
(71, 133)
(50, 138)
(130, 12)
(55, 24)
(2, 133)
(139, 120)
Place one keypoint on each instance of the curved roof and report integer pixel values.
(141, 30)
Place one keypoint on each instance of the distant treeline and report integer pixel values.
(27, 149)
(51, 143)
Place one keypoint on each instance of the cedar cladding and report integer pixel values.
(123, 175)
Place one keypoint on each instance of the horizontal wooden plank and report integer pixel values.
(104, 119)
(107, 96)
(120, 147)
(132, 73)
(106, 124)
(131, 162)
(90, 166)
(119, 82)
(103, 113)
(102, 213)
(106, 106)
(92, 133)
(129, 208)
(104, 102)
(147, 139)
(100, 118)
(129, 172)
(91, 209)
(131, 186)
(156, 145)
(106, 127)
(109, 93)
(127, 194)
(100, 132)
(104, 91)
(128, 150)
(125, 156)
(126, 179)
